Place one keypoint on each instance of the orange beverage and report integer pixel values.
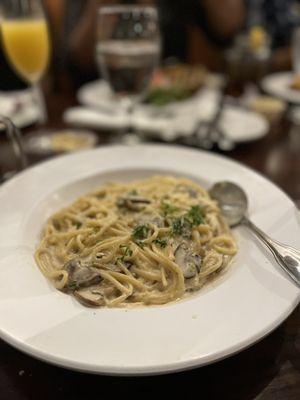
(26, 43)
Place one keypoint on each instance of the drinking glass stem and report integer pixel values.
(40, 102)
(15, 138)
(130, 111)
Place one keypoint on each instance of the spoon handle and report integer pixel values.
(286, 256)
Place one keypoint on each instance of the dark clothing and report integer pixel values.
(278, 16)
(280, 20)
(175, 16)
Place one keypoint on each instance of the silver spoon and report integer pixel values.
(234, 203)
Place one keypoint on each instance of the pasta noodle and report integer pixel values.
(145, 242)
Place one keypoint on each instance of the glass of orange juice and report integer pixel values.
(25, 40)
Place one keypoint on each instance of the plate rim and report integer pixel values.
(153, 369)
(105, 146)
(176, 366)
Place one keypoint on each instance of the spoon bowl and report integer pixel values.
(232, 200)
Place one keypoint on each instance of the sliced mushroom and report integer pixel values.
(133, 203)
(81, 275)
(89, 297)
(188, 261)
(127, 264)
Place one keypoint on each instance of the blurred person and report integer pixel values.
(279, 18)
(192, 30)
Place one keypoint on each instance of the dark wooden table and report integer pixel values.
(269, 370)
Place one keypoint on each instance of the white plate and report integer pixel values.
(240, 125)
(97, 94)
(278, 85)
(170, 122)
(247, 303)
(43, 142)
(26, 114)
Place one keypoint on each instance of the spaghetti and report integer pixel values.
(144, 242)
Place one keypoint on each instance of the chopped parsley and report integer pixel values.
(168, 208)
(78, 224)
(161, 242)
(133, 192)
(140, 232)
(140, 244)
(127, 252)
(178, 226)
(195, 216)
(184, 224)
(73, 285)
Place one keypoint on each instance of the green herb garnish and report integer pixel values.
(73, 285)
(78, 224)
(184, 224)
(140, 244)
(178, 226)
(140, 232)
(163, 96)
(161, 242)
(127, 252)
(133, 192)
(195, 216)
(168, 208)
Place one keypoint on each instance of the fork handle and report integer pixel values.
(16, 141)
(287, 257)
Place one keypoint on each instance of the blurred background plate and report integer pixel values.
(238, 124)
(59, 141)
(97, 95)
(170, 122)
(279, 85)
